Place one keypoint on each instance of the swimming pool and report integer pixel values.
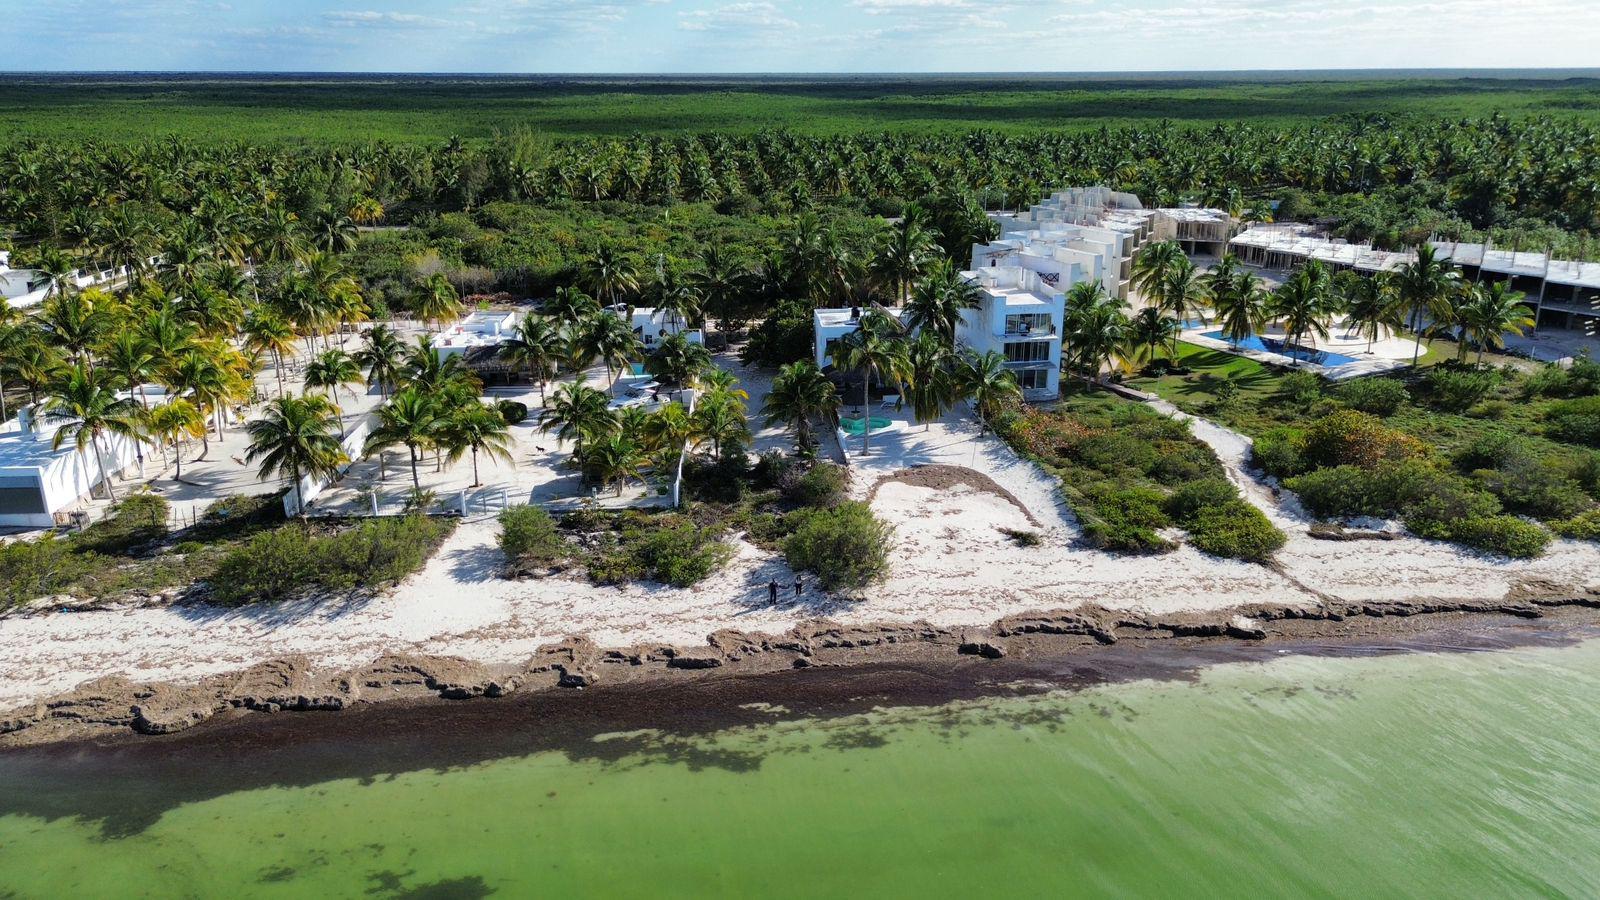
(854, 426)
(1272, 345)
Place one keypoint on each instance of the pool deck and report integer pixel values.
(1386, 355)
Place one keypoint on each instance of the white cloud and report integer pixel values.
(749, 16)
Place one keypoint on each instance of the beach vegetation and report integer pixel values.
(846, 546)
(297, 559)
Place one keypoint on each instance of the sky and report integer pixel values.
(684, 36)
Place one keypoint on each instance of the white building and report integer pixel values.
(40, 486)
(23, 288)
(829, 326)
(653, 325)
(1022, 317)
(480, 329)
(1062, 255)
(1117, 222)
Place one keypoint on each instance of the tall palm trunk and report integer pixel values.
(416, 481)
(866, 414)
(476, 482)
(105, 474)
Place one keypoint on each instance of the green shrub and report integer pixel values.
(1126, 519)
(1531, 488)
(529, 537)
(1377, 396)
(1349, 437)
(1584, 526)
(1456, 390)
(1491, 409)
(1577, 420)
(845, 546)
(1235, 530)
(1502, 534)
(36, 568)
(1338, 492)
(1300, 389)
(137, 519)
(1492, 450)
(681, 555)
(1281, 452)
(293, 561)
(1447, 502)
(824, 484)
(1187, 502)
(1023, 538)
(512, 412)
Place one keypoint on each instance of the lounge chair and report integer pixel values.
(889, 401)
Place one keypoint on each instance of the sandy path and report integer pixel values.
(952, 566)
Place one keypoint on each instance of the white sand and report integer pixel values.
(952, 566)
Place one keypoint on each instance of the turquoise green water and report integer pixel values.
(1463, 775)
(857, 426)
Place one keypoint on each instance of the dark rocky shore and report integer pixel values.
(116, 709)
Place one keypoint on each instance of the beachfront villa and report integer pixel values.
(24, 288)
(829, 326)
(652, 325)
(480, 329)
(1021, 316)
(1564, 294)
(40, 486)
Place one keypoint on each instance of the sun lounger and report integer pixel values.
(890, 401)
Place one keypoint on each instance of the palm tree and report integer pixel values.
(207, 383)
(611, 340)
(615, 459)
(411, 418)
(427, 368)
(668, 428)
(577, 413)
(987, 384)
(904, 251)
(173, 423)
(476, 428)
(295, 439)
(1305, 302)
(723, 285)
(875, 354)
(570, 306)
(438, 300)
(1493, 311)
(536, 347)
(265, 331)
(1424, 286)
(1096, 329)
(1151, 329)
(128, 357)
(87, 401)
(1240, 305)
(719, 420)
(1185, 292)
(930, 379)
(800, 393)
(1372, 306)
(384, 358)
(76, 322)
(939, 299)
(1153, 268)
(676, 300)
(678, 360)
(607, 275)
(331, 370)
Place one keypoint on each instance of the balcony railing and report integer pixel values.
(1023, 330)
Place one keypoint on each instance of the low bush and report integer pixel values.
(1235, 530)
(1281, 452)
(1456, 389)
(823, 484)
(1126, 519)
(1376, 396)
(293, 560)
(1023, 538)
(681, 555)
(1531, 488)
(512, 412)
(1338, 492)
(36, 568)
(530, 538)
(1552, 380)
(846, 546)
(1349, 437)
(1502, 534)
(1577, 421)
(1300, 389)
(138, 519)
(1584, 526)
(1187, 502)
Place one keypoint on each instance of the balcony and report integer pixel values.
(1029, 330)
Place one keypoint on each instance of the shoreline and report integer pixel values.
(111, 714)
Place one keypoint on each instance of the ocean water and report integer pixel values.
(1418, 775)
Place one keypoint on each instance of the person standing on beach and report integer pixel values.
(772, 592)
(799, 586)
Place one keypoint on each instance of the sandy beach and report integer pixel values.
(952, 566)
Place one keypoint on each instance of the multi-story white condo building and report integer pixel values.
(1021, 316)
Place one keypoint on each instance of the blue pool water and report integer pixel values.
(1272, 345)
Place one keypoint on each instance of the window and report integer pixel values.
(1028, 351)
(1033, 379)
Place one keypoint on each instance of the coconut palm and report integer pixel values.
(800, 393)
(930, 377)
(676, 300)
(1424, 287)
(1185, 292)
(666, 429)
(719, 419)
(384, 357)
(610, 339)
(425, 367)
(87, 403)
(438, 301)
(267, 332)
(1492, 312)
(876, 355)
(294, 439)
(128, 357)
(1240, 306)
(987, 384)
(578, 413)
(1306, 302)
(1371, 305)
(173, 423)
(1096, 329)
(77, 322)
(939, 299)
(203, 379)
(570, 306)
(1148, 331)
(410, 418)
(1153, 268)
(904, 251)
(615, 459)
(535, 347)
(476, 428)
(607, 275)
(329, 371)
(678, 360)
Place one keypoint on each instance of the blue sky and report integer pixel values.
(796, 35)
